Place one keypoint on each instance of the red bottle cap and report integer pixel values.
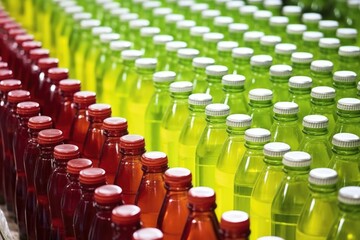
(177, 176)
(39, 53)
(92, 176)
(50, 136)
(28, 108)
(74, 166)
(148, 234)
(154, 159)
(13, 33)
(132, 141)
(4, 65)
(235, 221)
(17, 96)
(5, 20)
(108, 194)
(3, 14)
(85, 97)
(115, 124)
(47, 63)
(40, 122)
(56, 74)
(7, 74)
(100, 110)
(11, 25)
(203, 196)
(70, 85)
(30, 45)
(65, 152)
(23, 38)
(126, 214)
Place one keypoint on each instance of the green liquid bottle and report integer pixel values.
(107, 8)
(328, 27)
(147, 34)
(358, 90)
(310, 42)
(286, 124)
(283, 52)
(159, 16)
(224, 49)
(299, 91)
(278, 25)
(247, 15)
(233, 88)
(252, 40)
(196, 36)
(344, 83)
(347, 36)
(171, 54)
(124, 24)
(316, 140)
(260, 104)
(98, 10)
(221, 25)
(196, 11)
(232, 9)
(231, 154)
(184, 67)
(294, 33)
(347, 223)
(261, 20)
(300, 62)
(241, 61)
(279, 77)
(170, 21)
(184, 6)
(148, 7)
(266, 187)
(114, 20)
(311, 20)
(328, 48)
(236, 32)
(348, 116)
(214, 74)
(183, 29)
(260, 65)
(208, 16)
(134, 31)
(274, 6)
(349, 58)
(210, 143)
(293, 13)
(140, 94)
(250, 167)
(291, 195)
(268, 43)
(320, 207)
(199, 65)
(159, 42)
(321, 72)
(210, 41)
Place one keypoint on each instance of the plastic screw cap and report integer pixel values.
(70, 85)
(128, 17)
(57, 74)
(260, 94)
(217, 109)
(50, 136)
(216, 70)
(118, 12)
(126, 214)
(10, 84)
(47, 63)
(238, 27)
(139, 23)
(321, 66)
(262, 15)
(347, 33)
(120, 45)
(131, 55)
(177, 176)
(100, 110)
(158, 12)
(344, 76)
(223, 21)
(36, 54)
(311, 17)
(349, 195)
(89, 23)
(312, 36)
(109, 37)
(234, 5)
(285, 48)
(323, 176)
(148, 234)
(202, 62)
(296, 29)
(149, 31)
(323, 92)
(235, 221)
(74, 166)
(291, 10)
(328, 24)
(28, 108)
(164, 76)
(40, 122)
(233, 80)
(90, 176)
(248, 10)
(349, 104)
(201, 196)
(108, 194)
(154, 159)
(200, 99)
(349, 51)
(185, 24)
(261, 60)
(278, 21)
(146, 63)
(315, 121)
(173, 18)
(238, 121)
(19, 39)
(199, 7)
(226, 46)
(213, 37)
(132, 141)
(276, 149)
(181, 87)
(210, 13)
(296, 159)
(270, 40)
(302, 57)
(85, 97)
(242, 52)
(253, 36)
(65, 152)
(258, 135)
(280, 70)
(97, 31)
(17, 96)
(115, 124)
(188, 53)
(329, 43)
(199, 30)
(162, 39)
(174, 46)
(286, 108)
(30, 45)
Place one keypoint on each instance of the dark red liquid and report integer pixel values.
(66, 114)
(79, 127)
(93, 141)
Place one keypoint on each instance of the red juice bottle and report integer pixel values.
(132, 147)
(95, 138)
(148, 234)
(18, 52)
(4, 20)
(235, 225)
(90, 179)
(202, 220)
(45, 64)
(177, 184)
(4, 65)
(110, 155)
(47, 139)
(31, 154)
(72, 194)
(125, 221)
(66, 112)
(106, 197)
(32, 73)
(80, 123)
(26, 62)
(24, 110)
(11, 45)
(151, 193)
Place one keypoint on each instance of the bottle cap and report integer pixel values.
(127, 17)
(11, 25)
(86, 97)
(302, 57)
(285, 48)
(323, 92)
(9, 84)
(312, 36)
(139, 23)
(238, 27)
(151, 4)
(4, 65)
(120, 45)
(258, 135)
(181, 87)
(30, 45)
(132, 141)
(237, 221)
(56, 74)
(188, 53)
(296, 159)
(311, 17)
(223, 21)
(109, 37)
(39, 53)
(328, 24)
(199, 7)
(40, 122)
(28, 108)
(14, 32)
(73, 9)
(262, 14)
(261, 60)
(65, 152)
(276, 149)
(148, 234)
(238, 120)
(216, 70)
(213, 37)
(344, 76)
(19, 39)
(89, 23)
(279, 21)
(242, 52)
(131, 54)
(74, 166)
(111, 5)
(201, 196)
(70, 85)
(90, 176)
(154, 159)
(348, 104)
(146, 63)
(164, 76)
(226, 46)
(185, 24)
(321, 66)
(100, 110)
(291, 10)
(248, 10)
(323, 176)
(200, 99)
(149, 31)
(161, 11)
(17, 96)
(162, 39)
(260, 94)
(202, 62)
(115, 124)
(349, 51)
(315, 121)
(173, 18)
(210, 13)
(108, 194)
(50, 136)
(177, 176)
(217, 109)
(297, 29)
(199, 30)
(286, 108)
(174, 46)
(234, 5)
(233, 80)
(64, 4)
(78, 17)
(349, 195)
(329, 43)
(117, 12)
(97, 31)
(126, 214)
(46, 63)
(270, 40)
(253, 36)
(281, 70)
(347, 33)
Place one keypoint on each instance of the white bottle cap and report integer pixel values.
(286, 108)
(216, 70)
(344, 76)
(329, 43)
(139, 23)
(151, 4)
(90, 23)
(258, 135)
(276, 149)
(78, 17)
(315, 121)
(131, 54)
(120, 45)
(127, 17)
(117, 12)
(321, 66)
(348, 104)
(173, 18)
(279, 21)
(328, 25)
(323, 176)
(97, 31)
(300, 82)
(285, 48)
(174, 46)
(199, 30)
(161, 11)
(185, 24)
(248, 10)
(262, 14)
(312, 36)
(242, 52)
(188, 53)
(148, 63)
(297, 29)
(349, 51)
(348, 33)
(234, 5)
(73, 9)
(199, 7)
(202, 62)
(253, 36)
(111, 5)
(270, 40)
(291, 10)
(144, 233)
(223, 21)
(346, 140)
(349, 195)
(200, 99)
(149, 31)
(233, 80)
(226, 46)
(109, 37)
(181, 87)
(164, 76)
(238, 120)
(238, 27)
(323, 92)
(213, 37)
(296, 159)
(302, 57)
(217, 109)
(281, 70)
(273, 3)
(260, 94)
(311, 17)
(261, 60)
(162, 39)
(185, 3)
(210, 13)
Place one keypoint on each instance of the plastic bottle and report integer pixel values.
(241, 61)
(134, 29)
(214, 74)
(268, 43)
(261, 20)
(147, 34)
(246, 15)
(347, 36)
(148, 234)
(196, 36)
(278, 25)
(348, 116)
(299, 93)
(197, 9)
(151, 192)
(41, 79)
(348, 58)
(236, 32)
(252, 40)
(207, 17)
(294, 33)
(328, 27)
(329, 49)
(233, 88)
(210, 41)
(320, 205)
(260, 104)
(160, 14)
(199, 65)
(183, 29)
(283, 52)
(232, 9)
(321, 72)
(235, 225)
(172, 58)
(266, 187)
(125, 221)
(311, 20)
(260, 65)
(300, 63)
(174, 206)
(310, 40)
(170, 21)
(279, 77)
(159, 41)
(291, 195)
(184, 67)
(229, 159)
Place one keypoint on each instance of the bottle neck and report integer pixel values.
(132, 152)
(315, 131)
(322, 189)
(183, 187)
(241, 61)
(300, 91)
(115, 135)
(260, 104)
(61, 165)
(323, 102)
(296, 171)
(341, 151)
(285, 117)
(255, 145)
(152, 169)
(215, 120)
(260, 69)
(213, 79)
(233, 89)
(145, 72)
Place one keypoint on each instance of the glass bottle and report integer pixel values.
(224, 49)
(41, 82)
(261, 20)
(229, 159)
(348, 116)
(311, 20)
(184, 67)
(235, 225)
(160, 14)
(260, 65)
(197, 9)
(241, 60)
(328, 27)
(208, 15)
(199, 65)
(232, 9)
(171, 54)
(348, 59)
(268, 43)
(278, 25)
(260, 104)
(151, 192)
(221, 24)
(321, 72)
(283, 52)
(299, 93)
(148, 233)
(177, 184)
(247, 14)
(159, 42)
(125, 221)
(134, 29)
(170, 21)
(233, 88)
(249, 167)
(236, 32)
(196, 36)
(252, 40)
(328, 48)
(291, 195)
(183, 29)
(214, 74)
(294, 33)
(347, 36)
(279, 77)
(344, 83)
(210, 41)
(124, 20)
(300, 63)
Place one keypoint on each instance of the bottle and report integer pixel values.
(260, 104)
(328, 48)
(224, 49)
(311, 20)
(140, 94)
(42, 84)
(261, 20)
(125, 221)
(235, 225)
(348, 116)
(279, 77)
(95, 138)
(300, 63)
(106, 197)
(310, 41)
(156, 108)
(174, 118)
(210, 41)
(348, 58)
(348, 218)
(197, 9)
(241, 60)
(208, 15)
(347, 36)
(147, 34)
(265, 188)
(47, 140)
(184, 68)
(291, 194)
(320, 205)
(268, 43)
(148, 234)
(170, 21)
(345, 148)
(183, 29)
(344, 83)
(214, 74)
(250, 166)
(151, 192)
(134, 29)
(236, 32)
(247, 15)
(260, 65)
(124, 20)
(90, 179)
(221, 24)
(299, 93)
(229, 159)
(159, 41)
(232, 9)
(233, 88)
(321, 72)
(72, 194)
(199, 65)
(252, 40)
(56, 185)
(31, 154)
(80, 122)
(328, 28)
(196, 36)
(202, 220)
(294, 33)
(171, 53)
(160, 14)
(132, 147)
(174, 206)
(283, 52)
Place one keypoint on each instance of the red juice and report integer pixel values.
(33, 72)
(26, 62)
(18, 52)
(125, 221)
(43, 81)
(11, 29)
(235, 225)
(4, 20)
